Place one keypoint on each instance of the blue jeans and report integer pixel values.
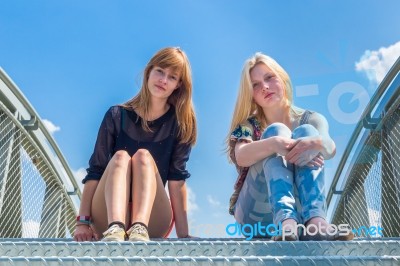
(283, 177)
(275, 190)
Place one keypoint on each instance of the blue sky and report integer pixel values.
(74, 59)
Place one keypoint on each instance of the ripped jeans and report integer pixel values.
(276, 190)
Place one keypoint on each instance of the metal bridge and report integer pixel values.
(39, 199)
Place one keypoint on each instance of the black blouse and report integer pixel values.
(121, 129)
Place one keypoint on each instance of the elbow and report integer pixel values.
(333, 151)
(330, 152)
(242, 156)
(242, 162)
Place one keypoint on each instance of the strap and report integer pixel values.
(122, 118)
(305, 117)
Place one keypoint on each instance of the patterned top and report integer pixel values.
(247, 132)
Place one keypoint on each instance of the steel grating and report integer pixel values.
(270, 260)
(199, 248)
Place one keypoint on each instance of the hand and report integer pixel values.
(318, 161)
(284, 145)
(84, 232)
(303, 151)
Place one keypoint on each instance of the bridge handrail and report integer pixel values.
(17, 103)
(368, 121)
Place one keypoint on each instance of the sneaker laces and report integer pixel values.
(113, 229)
(139, 229)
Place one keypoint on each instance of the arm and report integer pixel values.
(325, 144)
(87, 196)
(97, 164)
(248, 153)
(104, 146)
(177, 187)
(83, 232)
(178, 196)
(307, 149)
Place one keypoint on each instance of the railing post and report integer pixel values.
(70, 218)
(356, 203)
(6, 143)
(10, 180)
(53, 218)
(391, 176)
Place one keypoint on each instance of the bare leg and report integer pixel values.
(110, 201)
(117, 184)
(150, 203)
(144, 186)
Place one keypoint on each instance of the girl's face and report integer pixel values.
(268, 89)
(163, 81)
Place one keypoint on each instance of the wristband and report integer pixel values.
(83, 219)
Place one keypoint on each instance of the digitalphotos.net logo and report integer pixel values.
(267, 231)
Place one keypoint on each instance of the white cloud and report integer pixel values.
(213, 202)
(50, 126)
(374, 217)
(218, 210)
(30, 229)
(376, 64)
(79, 176)
(191, 201)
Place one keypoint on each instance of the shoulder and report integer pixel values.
(317, 117)
(245, 126)
(112, 114)
(307, 115)
(318, 121)
(114, 109)
(245, 130)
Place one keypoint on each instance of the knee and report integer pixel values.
(305, 130)
(276, 129)
(142, 157)
(121, 158)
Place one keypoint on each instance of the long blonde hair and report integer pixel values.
(181, 98)
(245, 106)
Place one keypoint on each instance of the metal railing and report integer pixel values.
(39, 195)
(368, 175)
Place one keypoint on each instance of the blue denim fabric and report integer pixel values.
(253, 204)
(282, 178)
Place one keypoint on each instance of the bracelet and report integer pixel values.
(83, 219)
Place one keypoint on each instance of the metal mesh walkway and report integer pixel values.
(201, 252)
